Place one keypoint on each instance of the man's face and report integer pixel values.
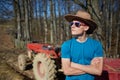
(78, 28)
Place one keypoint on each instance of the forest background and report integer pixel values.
(43, 21)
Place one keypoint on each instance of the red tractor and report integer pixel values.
(45, 60)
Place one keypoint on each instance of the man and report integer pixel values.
(82, 56)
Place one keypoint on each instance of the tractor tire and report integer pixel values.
(22, 62)
(44, 68)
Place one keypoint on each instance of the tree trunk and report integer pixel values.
(27, 36)
(54, 23)
(51, 22)
(18, 24)
(45, 21)
(118, 34)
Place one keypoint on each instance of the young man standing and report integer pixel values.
(82, 56)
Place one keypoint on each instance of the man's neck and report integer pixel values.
(82, 38)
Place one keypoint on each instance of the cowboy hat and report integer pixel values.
(84, 17)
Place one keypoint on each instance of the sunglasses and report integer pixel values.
(77, 24)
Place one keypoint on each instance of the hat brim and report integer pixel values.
(92, 25)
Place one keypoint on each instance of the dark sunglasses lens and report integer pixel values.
(71, 23)
(77, 24)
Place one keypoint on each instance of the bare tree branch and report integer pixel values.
(81, 4)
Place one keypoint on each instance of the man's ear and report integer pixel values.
(86, 28)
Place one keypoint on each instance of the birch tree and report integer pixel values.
(45, 20)
(26, 32)
(18, 15)
(51, 22)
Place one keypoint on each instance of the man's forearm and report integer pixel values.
(87, 68)
(73, 71)
(68, 69)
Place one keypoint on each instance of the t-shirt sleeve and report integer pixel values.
(98, 50)
(65, 50)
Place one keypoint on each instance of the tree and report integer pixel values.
(18, 16)
(44, 20)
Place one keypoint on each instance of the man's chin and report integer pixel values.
(77, 34)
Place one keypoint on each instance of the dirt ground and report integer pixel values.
(8, 54)
(6, 50)
(7, 73)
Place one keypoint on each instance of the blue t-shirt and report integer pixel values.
(81, 53)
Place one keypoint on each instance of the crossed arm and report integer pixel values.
(71, 68)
